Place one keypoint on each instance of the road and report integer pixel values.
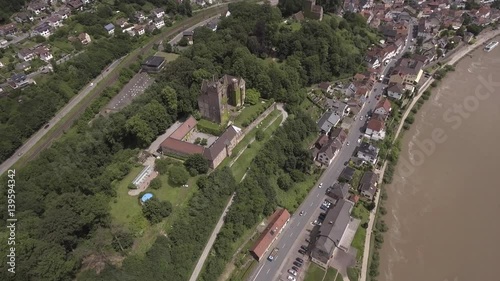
(299, 226)
(108, 81)
(220, 223)
(63, 112)
(178, 37)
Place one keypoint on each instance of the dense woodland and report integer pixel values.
(63, 196)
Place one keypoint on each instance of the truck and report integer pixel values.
(273, 254)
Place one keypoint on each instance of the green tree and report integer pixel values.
(178, 175)
(168, 97)
(161, 165)
(155, 210)
(197, 162)
(155, 183)
(259, 135)
(183, 42)
(285, 182)
(252, 96)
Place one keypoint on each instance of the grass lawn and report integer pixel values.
(332, 275)
(64, 46)
(240, 167)
(314, 273)
(358, 242)
(168, 56)
(314, 110)
(126, 209)
(250, 113)
(353, 273)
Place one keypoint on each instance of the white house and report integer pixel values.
(159, 23)
(139, 30)
(375, 129)
(26, 54)
(396, 91)
(383, 107)
(55, 21)
(110, 28)
(158, 13)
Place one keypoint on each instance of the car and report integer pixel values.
(292, 272)
(301, 213)
(348, 142)
(320, 185)
(308, 240)
(303, 247)
(299, 260)
(296, 268)
(291, 278)
(298, 264)
(361, 118)
(302, 252)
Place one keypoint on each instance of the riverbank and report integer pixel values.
(483, 38)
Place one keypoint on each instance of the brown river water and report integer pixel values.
(443, 209)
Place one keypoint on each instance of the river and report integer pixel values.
(444, 204)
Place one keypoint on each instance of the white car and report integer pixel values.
(320, 185)
(291, 278)
(292, 272)
(347, 143)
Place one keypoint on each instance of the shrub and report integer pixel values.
(178, 175)
(155, 183)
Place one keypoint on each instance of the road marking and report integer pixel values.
(268, 271)
(291, 234)
(256, 275)
(312, 204)
(298, 223)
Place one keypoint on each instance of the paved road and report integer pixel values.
(299, 226)
(65, 110)
(38, 135)
(178, 37)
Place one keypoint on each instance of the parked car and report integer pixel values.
(320, 185)
(302, 252)
(302, 213)
(308, 240)
(292, 272)
(300, 260)
(298, 264)
(296, 268)
(303, 247)
(291, 278)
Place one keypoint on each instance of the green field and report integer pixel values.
(240, 167)
(168, 56)
(358, 242)
(250, 113)
(126, 209)
(314, 273)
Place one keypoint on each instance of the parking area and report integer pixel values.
(135, 87)
(302, 246)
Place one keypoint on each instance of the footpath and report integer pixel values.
(220, 223)
(482, 39)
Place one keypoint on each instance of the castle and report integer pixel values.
(216, 95)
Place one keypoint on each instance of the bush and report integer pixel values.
(259, 135)
(155, 210)
(203, 142)
(178, 175)
(161, 165)
(155, 183)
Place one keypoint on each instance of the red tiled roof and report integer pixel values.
(184, 129)
(384, 103)
(375, 125)
(181, 147)
(276, 223)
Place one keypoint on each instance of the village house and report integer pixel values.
(189, 36)
(139, 30)
(368, 185)
(139, 16)
(329, 120)
(396, 91)
(339, 191)
(276, 223)
(223, 146)
(375, 128)
(24, 66)
(75, 5)
(212, 25)
(325, 87)
(18, 80)
(328, 151)
(158, 13)
(121, 22)
(337, 223)
(159, 23)
(23, 17)
(153, 64)
(25, 54)
(311, 10)
(110, 28)
(43, 30)
(84, 38)
(383, 108)
(55, 21)
(368, 153)
(408, 71)
(64, 13)
(43, 52)
(8, 29)
(37, 7)
(347, 174)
